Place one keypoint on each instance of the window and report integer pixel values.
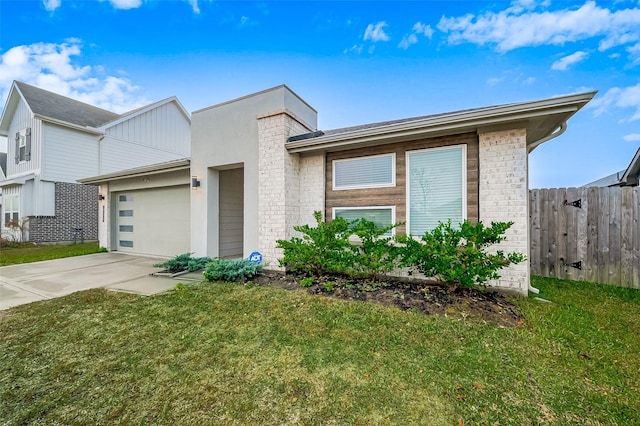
(436, 182)
(23, 145)
(11, 208)
(125, 213)
(382, 216)
(365, 172)
(125, 197)
(125, 228)
(126, 243)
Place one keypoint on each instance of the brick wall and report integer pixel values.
(503, 197)
(312, 190)
(76, 206)
(279, 187)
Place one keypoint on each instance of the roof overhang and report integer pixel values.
(19, 180)
(542, 119)
(631, 174)
(153, 169)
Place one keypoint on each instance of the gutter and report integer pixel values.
(559, 131)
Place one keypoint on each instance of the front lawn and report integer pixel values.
(215, 353)
(27, 253)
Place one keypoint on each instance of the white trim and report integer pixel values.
(408, 178)
(392, 208)
(366, 186)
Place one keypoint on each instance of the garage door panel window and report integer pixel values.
(126, 243)
(375, 171)
(125, 197)
(436, 187)
(125, 228)
(125, 213)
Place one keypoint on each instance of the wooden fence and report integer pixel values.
(586, 234)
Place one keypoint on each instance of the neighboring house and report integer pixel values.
(259, 166)
(53, 141)
(628, 177)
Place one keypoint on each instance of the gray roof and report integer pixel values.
(58, 107)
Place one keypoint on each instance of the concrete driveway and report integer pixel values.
(30, 282)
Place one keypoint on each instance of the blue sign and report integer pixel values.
(255, 257)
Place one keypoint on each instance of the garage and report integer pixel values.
(152, 221)
(146, 210)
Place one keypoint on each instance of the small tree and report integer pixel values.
(17, 229)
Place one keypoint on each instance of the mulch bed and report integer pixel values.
(479, 305)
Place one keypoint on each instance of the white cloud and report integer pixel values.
(356, 48)
(407, 41)
(376, 32)
(418, 29)
(632, 137)
(126, 4)
(194, 6)
(520, 26)
(563, 63)
(51, 5)
(493, 81)
(52, 67)
(627, 97)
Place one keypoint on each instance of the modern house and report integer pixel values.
(259, 166)
(55, 140)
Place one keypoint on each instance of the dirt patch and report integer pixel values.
(480, 305)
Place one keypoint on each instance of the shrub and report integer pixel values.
(458, 254)
(184, 262)
(235, 270)
(322, 249)
(375, 254)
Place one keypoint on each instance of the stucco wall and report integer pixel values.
(226, 136)
(503, 197)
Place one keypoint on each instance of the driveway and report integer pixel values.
(30, 282)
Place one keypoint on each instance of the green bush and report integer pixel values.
(458, 254)
(235, 270)
(184, 262)
(374, 254)
(322, 249)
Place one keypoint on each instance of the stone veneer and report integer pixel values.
(279, 183)
(76, 206)
(503, 194)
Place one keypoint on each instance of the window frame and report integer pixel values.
(390, 207)
(463, 182)
(391, 184)
(22, 146)
(12, 201)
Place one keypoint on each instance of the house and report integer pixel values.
(259, 166)
(55, 140)
(627, 177)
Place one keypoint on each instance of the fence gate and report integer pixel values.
(586, 234)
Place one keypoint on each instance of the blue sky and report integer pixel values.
(355, 62)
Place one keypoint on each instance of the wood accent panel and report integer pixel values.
(397, 195)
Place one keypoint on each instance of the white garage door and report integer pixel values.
(153, 221)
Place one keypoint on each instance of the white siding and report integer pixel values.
(69, 155)
(164, 129)
(116, 155)
(38, 198)
(22, 119)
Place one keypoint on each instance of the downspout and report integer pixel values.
(558, 132)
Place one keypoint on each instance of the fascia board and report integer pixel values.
(145, 109)
(85, 129)
(448, 123)
(153, 169)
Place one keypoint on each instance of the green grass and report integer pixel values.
(225, 354)
(35, 253)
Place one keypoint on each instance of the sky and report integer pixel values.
(355, 62)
